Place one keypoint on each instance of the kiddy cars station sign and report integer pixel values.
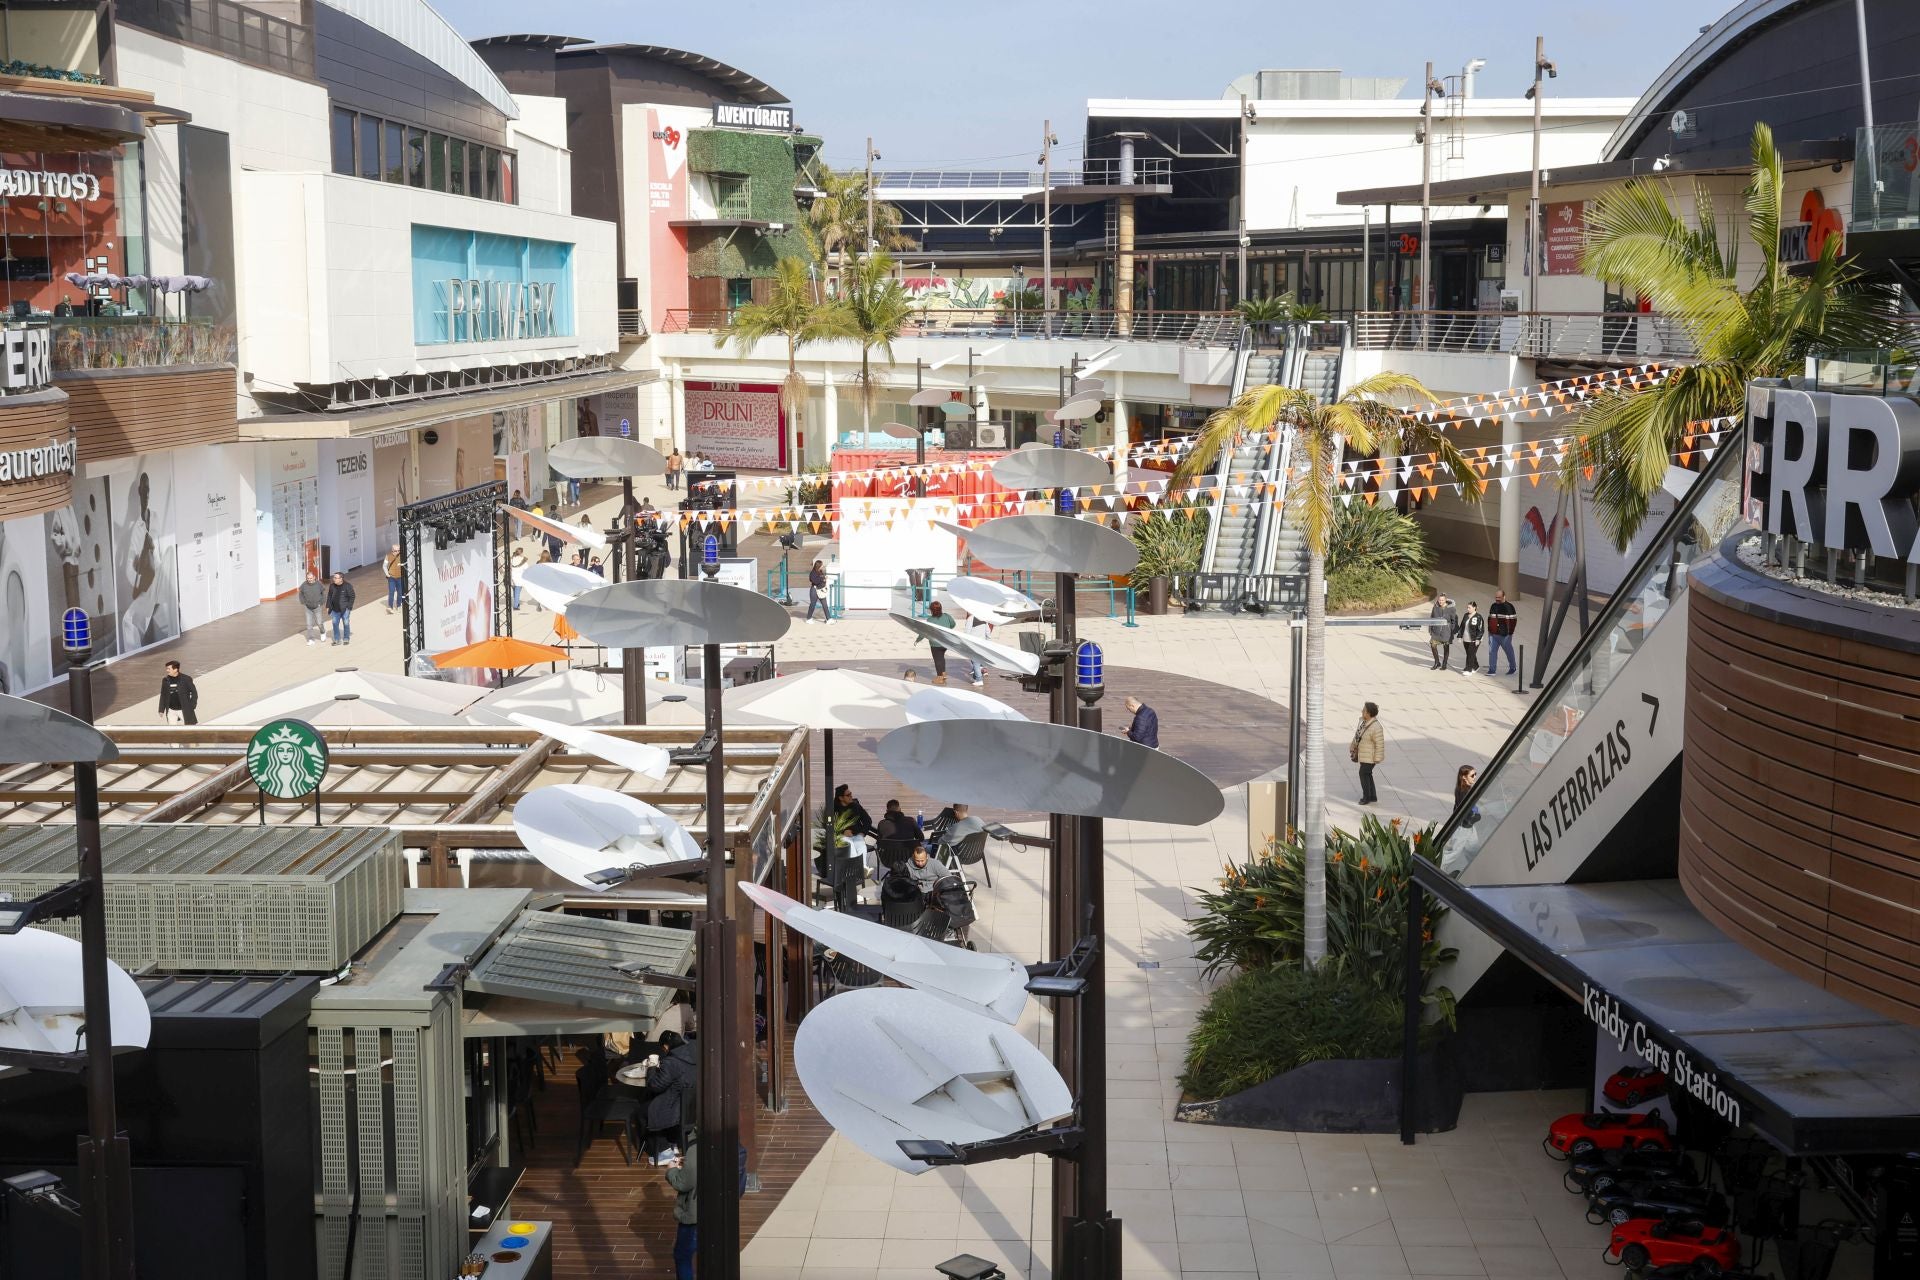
(1630, 1035)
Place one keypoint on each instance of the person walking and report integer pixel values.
(675, 465)
(340, 598)
(313, 599)
(179, 699)
(1463, 781)
(939, 617)
(1502, 621)
(396, 571)
(1369, 749)
(817, 592)
(1440, 636)
(517, 566)
(1473, 629)
(683, 1175)
(1145, 727)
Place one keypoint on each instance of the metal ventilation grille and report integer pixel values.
(226, 898)
(569, 960)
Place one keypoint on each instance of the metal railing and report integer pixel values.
(1629, 337)
(1877, 371)
(1109, 171)
(1886, 183)
(223, 27)
(633, 322)
(1193, 328)
(136, 342)
(955, 179)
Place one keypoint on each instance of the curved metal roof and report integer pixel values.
(750, 88)
(1738, 25)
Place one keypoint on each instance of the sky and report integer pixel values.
(941, 85)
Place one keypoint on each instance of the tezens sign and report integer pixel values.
(747, 115)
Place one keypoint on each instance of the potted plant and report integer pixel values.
(1170, 547)
(1266, 316)
(1284, 1046)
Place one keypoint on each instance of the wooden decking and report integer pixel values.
(614, 1219)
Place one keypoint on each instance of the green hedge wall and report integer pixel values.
(769, 162)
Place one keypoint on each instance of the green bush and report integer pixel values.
(1253, 919)
(1169, 544)
(1371, 591)
(1280, 1017)
(1370, 537)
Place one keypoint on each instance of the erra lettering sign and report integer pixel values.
(1632, 1036)
(1840, 471)
(26, 358)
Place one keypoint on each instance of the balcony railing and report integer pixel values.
(633, 322)
(1628, 337)
(221, 26)
(1110, 171)
(1192, 328)
(1886, 178)
(137, 342)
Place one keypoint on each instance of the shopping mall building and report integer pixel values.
(273, 272)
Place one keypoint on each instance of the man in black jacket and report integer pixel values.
(340, 598)
(1502, 621)
(179, 699)
(670, 1092)
(1473, 629)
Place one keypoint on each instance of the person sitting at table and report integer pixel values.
(844, 802)
(896, 824)
(669, 1093)
(963, 825)
(922, 871)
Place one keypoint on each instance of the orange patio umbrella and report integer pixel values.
(499, 653)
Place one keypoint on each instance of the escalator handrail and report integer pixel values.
(1732, 447)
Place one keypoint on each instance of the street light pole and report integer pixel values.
(1530, 245)
(717, 1178)
(633, 662)
(106, 1251)
(1426, 184)
(1241, 203)
(1047, 142)
(1064, 921)
(872, 155)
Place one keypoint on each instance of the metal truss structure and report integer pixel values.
(457, 517)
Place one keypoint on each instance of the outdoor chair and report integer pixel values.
(901, 915)
(894, 850)
(600, 1106)
(838, 973)
(970, 850)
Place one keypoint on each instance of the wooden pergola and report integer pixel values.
(449, 790)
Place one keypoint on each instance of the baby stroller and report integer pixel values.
(949, 912)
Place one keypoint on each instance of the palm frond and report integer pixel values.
(1764, 196)
(1256, 409)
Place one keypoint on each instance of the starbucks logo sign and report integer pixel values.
(287, 759)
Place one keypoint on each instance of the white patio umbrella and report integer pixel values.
(354, 711)
(406, 692)
(826, 698)
(582, 696)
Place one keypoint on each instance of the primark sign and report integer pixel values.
(500, 310)
(1836, 470)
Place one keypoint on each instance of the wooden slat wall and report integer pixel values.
(1800, 801)
(27, 422)
(130, 411)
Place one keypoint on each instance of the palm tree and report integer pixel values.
(789, 312)
(836, 226)
(1638, 239)
(875, 309)
(1365, 422)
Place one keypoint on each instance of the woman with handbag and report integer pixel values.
(1369, 748)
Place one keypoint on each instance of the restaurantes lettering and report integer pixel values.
(54, 458)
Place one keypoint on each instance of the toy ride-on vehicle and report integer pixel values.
(1579, 1133)
(1651, 1198)
(1631, 1086)
(1598, 1170)
(1663, 1242)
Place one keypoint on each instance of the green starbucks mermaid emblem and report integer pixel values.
(287, 759)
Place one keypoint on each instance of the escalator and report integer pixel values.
(1586, 788)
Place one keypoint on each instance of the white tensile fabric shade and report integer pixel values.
(408, 693)
(826, 698)
(936, 703)
(581, 696)
(42, 1003)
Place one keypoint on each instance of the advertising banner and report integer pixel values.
(1566, 236)
(290, 532)
(79, 543)
(736, 425)
(456, 595)
(346, 499)
(666, 151)
(145, 560)
(26, 653)
(213, 521)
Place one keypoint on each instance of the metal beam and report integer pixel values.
(486, 802)
(201, 795)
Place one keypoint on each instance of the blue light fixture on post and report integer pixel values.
(1089, 672)
(76, 634)
(710, 557)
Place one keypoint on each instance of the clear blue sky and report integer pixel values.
(948, 85)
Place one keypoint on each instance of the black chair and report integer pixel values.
(601, 1106)
(893, 851)
(970, 850)
(838, 973)
(901, 915)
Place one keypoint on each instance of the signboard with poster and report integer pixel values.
(1566, 236)
(736, 425)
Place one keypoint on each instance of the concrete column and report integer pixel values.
(1122, 429)
(1510, 504)
(830, 418)
(1123, 268)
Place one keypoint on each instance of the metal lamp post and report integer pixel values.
(33, 734)
(1092, 1234)
(675, 611)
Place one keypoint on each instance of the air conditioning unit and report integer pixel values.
(990, 435)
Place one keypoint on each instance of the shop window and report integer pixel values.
(509, 188)
(71, 220)
(437, 161)
(730, 198)
(457, 166)
(343, 141)
(370, 148)
(739, 293)
(491, 167)
(476, 179)
(396, 153)
(416, 157)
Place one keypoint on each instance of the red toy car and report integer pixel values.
(1631, 1086)
(1662, 1242)
(1577, 1134)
